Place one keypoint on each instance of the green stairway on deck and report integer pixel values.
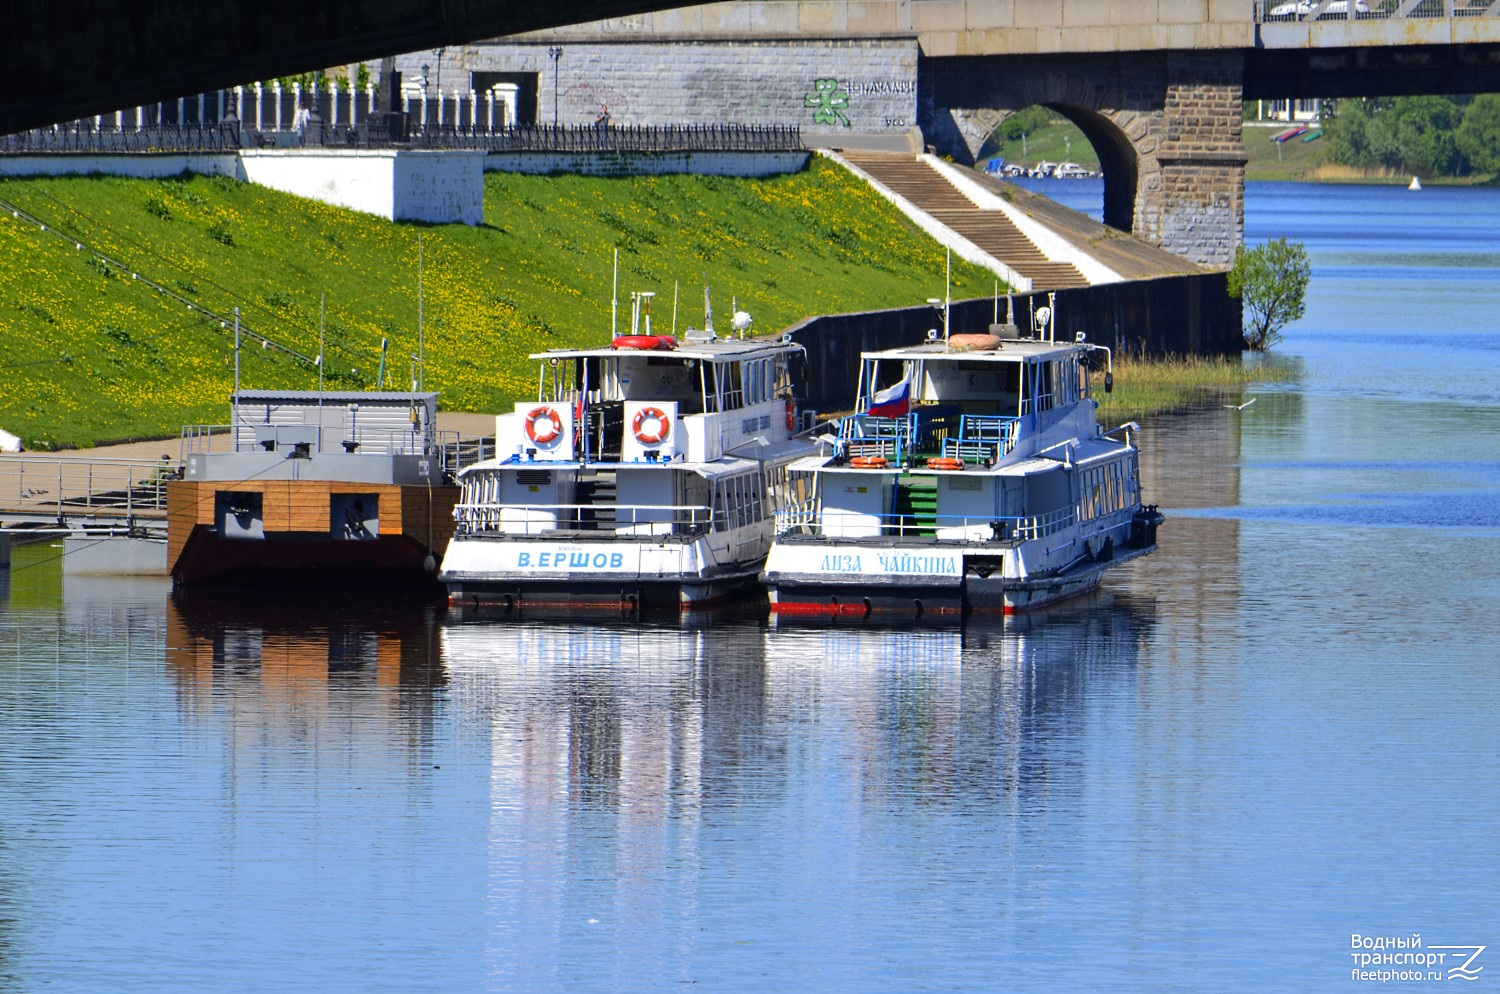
(916, 505)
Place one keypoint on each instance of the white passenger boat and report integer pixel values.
(975, 477)
(647, 473)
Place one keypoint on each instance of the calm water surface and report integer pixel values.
(1278, 731)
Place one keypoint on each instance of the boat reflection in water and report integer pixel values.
(215, 638)
(646, 717)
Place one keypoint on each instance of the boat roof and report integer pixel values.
(337, 396)
(708, 350)
(1010, 350)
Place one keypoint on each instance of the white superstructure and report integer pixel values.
(647, 472)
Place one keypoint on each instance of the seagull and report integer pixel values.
(1240, 407)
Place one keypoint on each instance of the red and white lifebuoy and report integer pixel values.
(791, 416)
(868, 462)
(645, 342)
(647, 434)
(543, 425)
(945, 462)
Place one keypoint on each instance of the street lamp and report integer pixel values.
(555, 52)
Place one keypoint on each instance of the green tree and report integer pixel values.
(1271, 282)
(1478, 135)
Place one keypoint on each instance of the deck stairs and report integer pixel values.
(990, 230)
(596, 495)
(915, 505)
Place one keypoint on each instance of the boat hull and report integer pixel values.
(294, 538)
(955, 593)
(574, 574)
(390, 562)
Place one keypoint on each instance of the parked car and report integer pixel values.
(1301, 10)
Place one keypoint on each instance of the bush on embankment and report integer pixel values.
(92, 354)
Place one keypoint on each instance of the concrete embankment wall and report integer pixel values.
(1173, 315)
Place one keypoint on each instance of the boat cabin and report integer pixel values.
(647, 399)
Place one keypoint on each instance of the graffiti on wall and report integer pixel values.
(828, 102)
(588, 100)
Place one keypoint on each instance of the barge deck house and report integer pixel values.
(646, 474)
(321, 489)
(975, 478)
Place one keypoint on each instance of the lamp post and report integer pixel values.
(555, 53)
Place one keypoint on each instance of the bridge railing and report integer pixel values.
(1273, 11)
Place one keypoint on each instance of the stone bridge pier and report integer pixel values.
(1166, 127)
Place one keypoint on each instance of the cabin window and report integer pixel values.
(1102, 491)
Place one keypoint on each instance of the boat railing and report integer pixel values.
(867, 435)
(982, 437)
(495, 517)
(453, 449)
(805, 519)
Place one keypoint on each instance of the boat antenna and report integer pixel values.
(417, 384)
(1051, 316)
(674, 308)
(995, 318)
(947, 291)
(1010, 308)
(614, 300)
(234, 404)
(323, 303)
(380, 376)
(708, 312)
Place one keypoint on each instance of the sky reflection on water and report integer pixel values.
(1272, 734)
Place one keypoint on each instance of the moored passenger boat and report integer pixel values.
(647, 473)
(974, 477)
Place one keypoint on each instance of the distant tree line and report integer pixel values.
(1431, 136)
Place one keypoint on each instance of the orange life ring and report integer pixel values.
(791, 416)
(646, 342)
(663, 429)
(548, 434)
(868, 462)
(945, 462)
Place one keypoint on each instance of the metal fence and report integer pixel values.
(85, 138)
(392, 131)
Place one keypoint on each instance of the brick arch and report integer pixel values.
(1166, 129)
(1128, 165)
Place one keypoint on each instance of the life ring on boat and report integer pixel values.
(662, 430)
(974, 343)
(547, 434)
(791, 416)
(945, 462)
(868, 462)
(644, 342)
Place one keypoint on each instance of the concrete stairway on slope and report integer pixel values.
(991, 230)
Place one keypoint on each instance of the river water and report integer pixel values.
(1277, 733)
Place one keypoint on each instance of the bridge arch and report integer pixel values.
(1118, 159)
(1166, 129)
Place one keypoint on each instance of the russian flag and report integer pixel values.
(892, 402)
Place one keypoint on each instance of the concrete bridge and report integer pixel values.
(1155, 85)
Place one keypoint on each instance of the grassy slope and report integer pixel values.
(91, 355)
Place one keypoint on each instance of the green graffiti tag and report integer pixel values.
(829, 102)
